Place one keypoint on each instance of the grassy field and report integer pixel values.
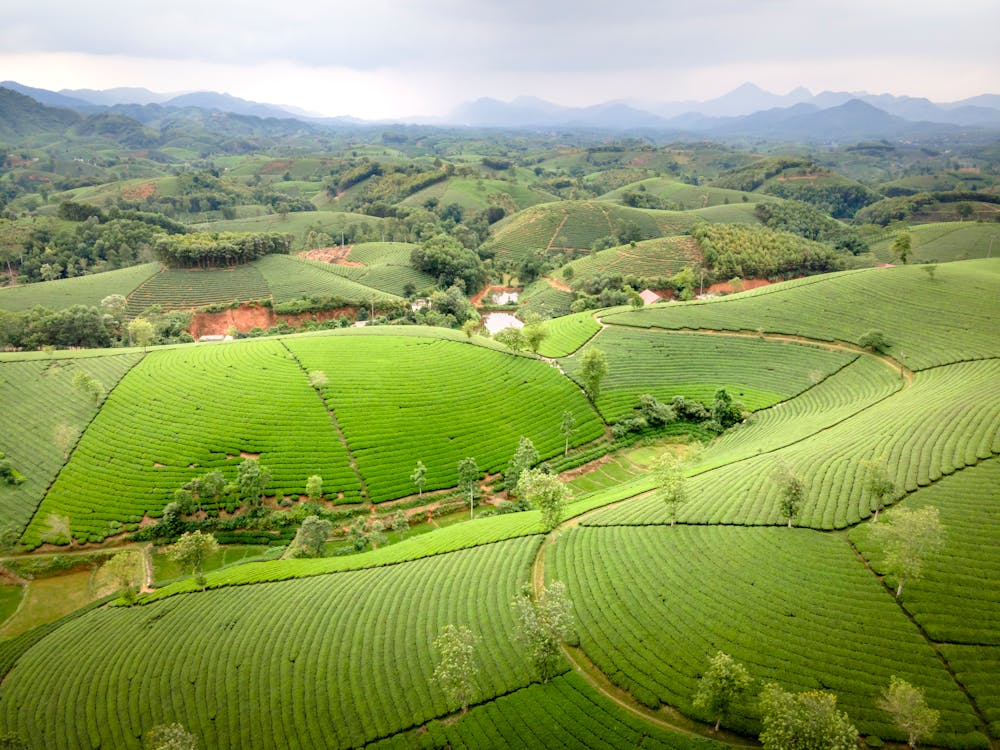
(945, 241)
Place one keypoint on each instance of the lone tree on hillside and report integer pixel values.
(901, 247)
(191, 551)
(907, 538)
(792, 490)
(878, 484)
(314, 487)
(311, 536)
(874, 340)
(123, 570)
(468, 482)
(89, 386)
(140, 332)
(566, 428)
(400, 523)
(546, 492)
(804, 721)
(456, 670)
(725, 684)
(909, 710)
(419, 478)
(523, 459)
(542, 625)
(252, 480)
(669, 477)
(593, 368)
(512, 338)
(534, 334)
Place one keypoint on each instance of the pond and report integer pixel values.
(495, 322)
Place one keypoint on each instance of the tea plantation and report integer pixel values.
(337, 651)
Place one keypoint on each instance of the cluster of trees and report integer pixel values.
(902, 208)
(652, 414)
(736, 250)
(808, 221)
(208, 250)
(804, 721)
(450, 262)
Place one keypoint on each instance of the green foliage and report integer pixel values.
(908, 708)
(169, 737)
(124, 569)
(791, 489)
(8, 474)
(469, 475)
(878, 484)
(546, 492)
(593, 369)
(205, 250)
(567, 333)
(312, 535)
(907, 538)
(747, 252)
(725, 683)
(448, 261)
(902, 246)
(252, 479)
(456, 668)
(314, 484)
(808, 221)
(668, 475)
(542, 624)
(191, 551)
(523, 459)
(804, 721)
(512, 338)
(875, 340)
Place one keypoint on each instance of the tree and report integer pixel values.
(314, 488)
(312, 535)
(191, 551)
(169, 737)
(901, 246)
(252, 480)
(456, 670)
(64, 436)
(930, 269)
(89, 386)
(8, 474)
(907, 538)
(725, 411)
(468, 481)
(512, 338)
(878, 484)
(114, 305)
(724, 684)
(546, 492)
(523, 459)
(909, 710)
(357, 534)
(123, 571)
(534, 335)
(791, 488)
(542, 624)
(593, 368)
(964, 210)
(566, 428)
(470, 327)
(874, 340)
(419, 478)
(400, 523)
(318, 379)
(669, 477)
(804, 721)
(140, 332)
(376, 534)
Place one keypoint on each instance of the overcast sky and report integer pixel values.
(397, 58)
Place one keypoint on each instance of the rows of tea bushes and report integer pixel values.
(174, 288)
(388, 279)
(80, 290)
(978, 669)
(183, 412)
(843, 394)
(545, 300)
(43, 417)
(290, 278)
(567, 333)
(661, 257)
(942, 322)
(331, 661)
(795, 606)
(403, 399)
(382, 253)
(567, 712)
(940, 424)
(957, 600)
(757, 372)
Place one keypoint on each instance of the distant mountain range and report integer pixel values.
(746, 112)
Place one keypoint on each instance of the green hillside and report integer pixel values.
(82, 290)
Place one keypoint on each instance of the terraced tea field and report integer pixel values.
(662, 257)
(81, 290)
(176, 289)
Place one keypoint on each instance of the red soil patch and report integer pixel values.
(335, 255)
(725, 286)
(276, 166)
(139, 192)
(245, 318)
(555, 284)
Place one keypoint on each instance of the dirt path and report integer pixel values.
(555, 234)
(556, 284)
(665, 717)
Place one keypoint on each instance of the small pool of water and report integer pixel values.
(495, 322)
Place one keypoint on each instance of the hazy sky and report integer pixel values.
(395, 58)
